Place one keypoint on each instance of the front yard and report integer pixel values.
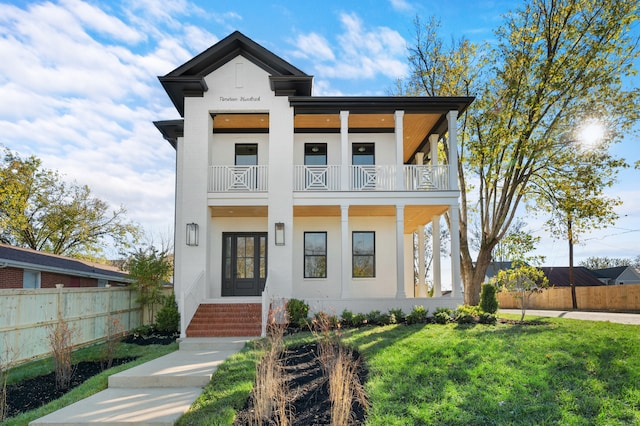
(556, 372)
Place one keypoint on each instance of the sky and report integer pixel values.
(79, 87)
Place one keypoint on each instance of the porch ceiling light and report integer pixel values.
(192, 234)
(279, 234)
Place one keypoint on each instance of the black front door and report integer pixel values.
(244, 263)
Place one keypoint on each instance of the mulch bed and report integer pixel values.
(38, 391)
(309, 391)
(33, 393)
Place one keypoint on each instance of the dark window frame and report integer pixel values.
(371, 255)
(305, 256)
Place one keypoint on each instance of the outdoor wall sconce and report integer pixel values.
(192, 234)
(279, 233)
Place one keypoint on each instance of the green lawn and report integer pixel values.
(561, 372)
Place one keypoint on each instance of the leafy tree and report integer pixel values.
(577, 203)
(40, 211)
(150, 268)
(609, 262)
(523, 281)
(555, 65)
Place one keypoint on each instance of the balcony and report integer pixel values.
(330, 178)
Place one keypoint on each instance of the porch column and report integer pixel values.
(344, 150)
(400, 294)
(433, 142)
(452, 117)
(399, 116)
(422, 289)
(344, 240)
(435, 240)
(456, 281)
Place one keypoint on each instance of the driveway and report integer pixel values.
(622, 318)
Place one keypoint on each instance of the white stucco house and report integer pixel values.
(281, 194)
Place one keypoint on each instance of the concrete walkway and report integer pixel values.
(622, 318)
(155, 393)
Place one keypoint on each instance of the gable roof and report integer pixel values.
(188, 79)
(611, 273)
(23, 258)
(559, 276)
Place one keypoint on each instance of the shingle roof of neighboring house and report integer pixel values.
(495, 267)
(559, 276)
(611, 273)
(32, 259)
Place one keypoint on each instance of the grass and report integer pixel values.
(89, 387)
(560, 372)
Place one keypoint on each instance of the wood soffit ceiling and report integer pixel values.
(417, 126)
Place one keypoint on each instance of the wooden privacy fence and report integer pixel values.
(621, 298)
(27, 317)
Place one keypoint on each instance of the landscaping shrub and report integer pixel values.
(396, 316)
(297, 311)
(488, 299)
(378, 318)
(168, 317)
(417, 315)
(443, 316)
(346, 319)
(359, 320)
(487, 318)
(466, 314)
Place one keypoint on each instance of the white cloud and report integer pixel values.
(401, 5)
(362, 53)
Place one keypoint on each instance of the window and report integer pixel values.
(246, 154)
(363, 158)
(315, 154)
(30, 279)
(364, 254)
(315, 255)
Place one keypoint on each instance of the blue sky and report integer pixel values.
(79, 88)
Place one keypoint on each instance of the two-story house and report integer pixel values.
(281, 194)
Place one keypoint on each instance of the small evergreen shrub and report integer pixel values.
(417, 315)
(378, 318)
(466, 314)
(323, 320)
(346, 318)
(396, 316)
(487, 318)
(443, 316)
(488, 299)
(298, 311)
(168, 317)
(359, 320)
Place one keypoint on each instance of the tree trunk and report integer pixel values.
(474, 274)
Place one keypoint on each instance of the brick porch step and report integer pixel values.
(228, 319)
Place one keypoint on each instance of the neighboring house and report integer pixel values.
(495, 267)
(619, 275)
(558, 276)
(26, 268)
(302, 196)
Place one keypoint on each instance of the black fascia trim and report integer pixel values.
(171, 130)
(291, 85)
(379, 104)
(317, 130)
(240, 130)
(180, 87)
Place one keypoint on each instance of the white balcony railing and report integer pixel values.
(329, 178)
(238, 179)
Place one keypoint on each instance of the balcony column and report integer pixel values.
(422, 289)
(344, 150)
(433, 142)
(346, 257)
(452, 118)
(400, 294)
(435, 250)
(456, 281)
(399, 123)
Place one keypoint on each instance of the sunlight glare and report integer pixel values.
(591, 134)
